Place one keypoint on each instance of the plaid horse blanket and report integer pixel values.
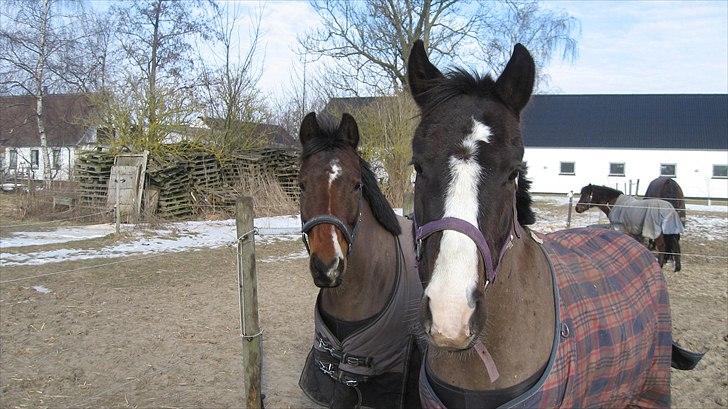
(648, 218)
(613, 333)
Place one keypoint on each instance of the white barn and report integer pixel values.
(67, 130)
(615, 140)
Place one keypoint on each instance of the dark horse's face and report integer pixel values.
(585, 199)
(331, 182)
(467, 152)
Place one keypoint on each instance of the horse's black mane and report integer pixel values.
(523, 199)
(605, 190)
(458, 82)
(330, 140)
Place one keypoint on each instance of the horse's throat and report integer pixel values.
(518, 325)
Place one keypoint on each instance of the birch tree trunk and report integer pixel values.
(39, 77)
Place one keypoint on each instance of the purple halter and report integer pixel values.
(466, 228)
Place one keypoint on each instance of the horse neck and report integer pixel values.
(518, 324)
(605, 200)
(369, 276)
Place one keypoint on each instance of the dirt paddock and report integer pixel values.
(163, 331)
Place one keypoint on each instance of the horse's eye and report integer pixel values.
(513, 175)
(357, 187)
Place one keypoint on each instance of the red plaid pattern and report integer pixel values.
(615, 338)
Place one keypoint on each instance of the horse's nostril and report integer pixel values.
(318, 266)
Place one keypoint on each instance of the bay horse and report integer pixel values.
(653, 219)
(575, 318)
(364, 351)
(666, 188)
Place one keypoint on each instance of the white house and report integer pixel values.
(67, 129)
(618, 140)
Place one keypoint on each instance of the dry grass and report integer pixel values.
(269, 199)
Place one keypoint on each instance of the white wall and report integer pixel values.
(24, 163)
(694, 171)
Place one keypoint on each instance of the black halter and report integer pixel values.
(349, 234)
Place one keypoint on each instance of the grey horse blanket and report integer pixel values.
(613, 342)
(648, 218)
(369, 368)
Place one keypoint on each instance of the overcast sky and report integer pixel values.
(625, 46)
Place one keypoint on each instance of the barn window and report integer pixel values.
(13, 159)
(720, 171)
(616, 169)
(34, 156)
(567, 168)
(56, 158)
(667, 169)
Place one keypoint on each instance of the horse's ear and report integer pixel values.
(349, 130)
(420, 73)
(515, 84)
(309, 128)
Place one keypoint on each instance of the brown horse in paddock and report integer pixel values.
(576, 318)
(652, 219)
(361, 255)
(666, 188)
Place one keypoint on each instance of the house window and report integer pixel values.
(616, 169)
(667, 169)
(566, 168)
(13, 159)
(34, 156)
(720, 171)
(56, 158)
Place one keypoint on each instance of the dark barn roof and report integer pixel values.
(274, 135)
(680, 121)
(658, 121)
(64, 120)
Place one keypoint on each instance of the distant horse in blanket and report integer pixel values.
(361, 255)
(667, 189)
(575, 319)
(652, 219)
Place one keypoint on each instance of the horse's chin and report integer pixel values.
(327, 284)
(466, 346)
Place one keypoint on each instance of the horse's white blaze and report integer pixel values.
(455, 274)
(339, 255)
(334, 173)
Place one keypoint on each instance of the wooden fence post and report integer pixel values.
(117, 208)
(248, 297)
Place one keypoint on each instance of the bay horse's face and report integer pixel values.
(585, 199)
(467, 152)
(331, 183)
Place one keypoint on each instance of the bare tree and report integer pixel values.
(371, 40)
(156, 38)
(232, 103)
(29, 44)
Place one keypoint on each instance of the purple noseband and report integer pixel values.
(466, 228)
(460, 226)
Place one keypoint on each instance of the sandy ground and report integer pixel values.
(163, 331)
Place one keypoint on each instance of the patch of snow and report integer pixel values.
(41, 289)
(706, 208)
(59, 235)
(174, 237)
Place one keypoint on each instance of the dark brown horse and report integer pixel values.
(653, 219)
(364, 352)
(666, 188)
(577, 318)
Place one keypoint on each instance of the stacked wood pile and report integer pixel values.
(281, 164)
(186, 183)
(92, 172)
(170, 176)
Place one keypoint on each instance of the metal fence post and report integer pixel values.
(571, 202)
(248, 297)
(117, 209)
